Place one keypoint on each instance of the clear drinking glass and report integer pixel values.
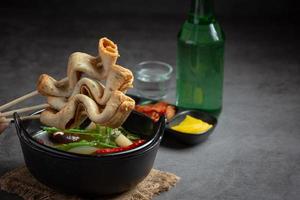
(152, 79)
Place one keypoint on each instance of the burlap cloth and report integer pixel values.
(23, 184)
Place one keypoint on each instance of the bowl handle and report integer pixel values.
(162, 125)
(18, 123)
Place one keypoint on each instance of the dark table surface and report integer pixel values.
(254, 152)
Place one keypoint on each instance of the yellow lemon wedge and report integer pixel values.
(192, 125)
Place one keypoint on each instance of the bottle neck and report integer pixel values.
(201, 12)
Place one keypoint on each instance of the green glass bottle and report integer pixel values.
(200, 60)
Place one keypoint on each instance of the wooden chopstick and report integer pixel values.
(3, 116)
(29, 95)
(26, 109)
(18, 100)
(8, 120)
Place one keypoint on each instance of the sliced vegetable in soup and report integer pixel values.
(94, 140)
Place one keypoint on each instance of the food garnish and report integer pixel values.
(192, 125)
(154, 111)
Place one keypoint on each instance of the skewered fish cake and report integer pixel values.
(76, 98)
(80, 106)
(81, 63)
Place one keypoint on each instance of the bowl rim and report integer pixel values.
(25, 136)
(73, 156)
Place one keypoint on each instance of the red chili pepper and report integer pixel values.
(40, 141)
(119, 149)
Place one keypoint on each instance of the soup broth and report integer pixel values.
(95, 140)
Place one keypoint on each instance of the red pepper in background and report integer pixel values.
(119, 149)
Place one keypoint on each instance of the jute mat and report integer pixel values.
(20, 182)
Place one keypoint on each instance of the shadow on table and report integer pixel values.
(172, 143)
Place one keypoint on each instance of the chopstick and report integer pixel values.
(8, 120)
(26, 109)
(18, 100)
(29, 95)
(3, 115)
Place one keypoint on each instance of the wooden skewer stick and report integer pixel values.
(29, 95)
(18, 100)
(26, 109)
(8, 120)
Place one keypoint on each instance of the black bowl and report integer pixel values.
(186, 138)
(91, 175)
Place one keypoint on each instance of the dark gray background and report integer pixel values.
(232, 8)
(254, 152)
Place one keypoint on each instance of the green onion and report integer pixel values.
(71, 145)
